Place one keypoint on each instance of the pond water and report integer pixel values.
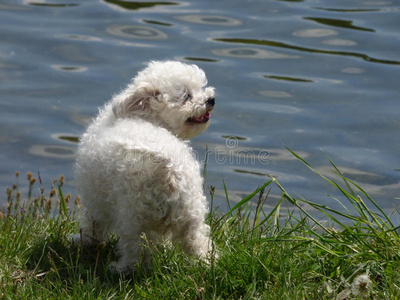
(318, 76)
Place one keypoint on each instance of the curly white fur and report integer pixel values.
(136, 174)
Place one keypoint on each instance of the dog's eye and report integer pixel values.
(188, 97)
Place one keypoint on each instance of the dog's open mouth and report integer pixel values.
(202, 119)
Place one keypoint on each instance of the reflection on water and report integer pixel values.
(339, 42)
(314, 33)
(70, 68)
(194, 59)
(352, 70)
(66, 137)
(305, 49)
(49, 4)
(53, 151)
(286, 78)
(252, 53)
(349, 10)
(234, 137)
(135, 5)
(73, 53)
(309, 75)
(372, 183)
(275, 94)
(80, 37)
(157, 23)
(137, 32)
(339, 23)
(210, 20)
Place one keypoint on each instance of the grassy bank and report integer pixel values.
(263, 254)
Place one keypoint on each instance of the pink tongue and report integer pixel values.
(205, 116)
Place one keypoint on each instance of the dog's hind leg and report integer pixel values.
(131, 249)
(193, 237)
(91, 231)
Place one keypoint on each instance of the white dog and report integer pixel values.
(136, 174)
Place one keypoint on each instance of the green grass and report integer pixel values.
(278, 253)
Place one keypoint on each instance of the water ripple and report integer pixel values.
(305, 49)
(314, 33)
(346, 10)
(353, 70)
(339, 42)
(79, 37)
(286, 78)
(53, 151)
(157, 23)
(44, 3)
(136, 32)
(201, 59)
(277, 94)
(135, 5)
(211, 20)
(70, 68)
(251, 53)
(66, 137)
(359, 176)
(338, 23)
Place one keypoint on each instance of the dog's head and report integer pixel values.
(170, 94)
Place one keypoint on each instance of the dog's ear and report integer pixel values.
(130, 103)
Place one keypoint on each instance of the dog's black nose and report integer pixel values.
(211, 101)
